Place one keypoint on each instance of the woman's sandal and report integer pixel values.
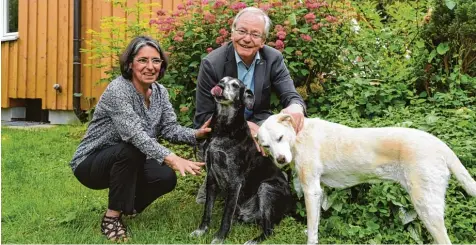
(113, 228)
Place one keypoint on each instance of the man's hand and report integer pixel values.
(183, 165)
(203, 130)
(297, 113)
(254, 133)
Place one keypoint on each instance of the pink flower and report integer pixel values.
(279, 28)
(180, 33)
(281, 35)
(178, 38)
(219, 3)
(306, 37)
(180, 6)
(169, 20)
(312, 4)
(264, 6)
(279, 44)
(151, 22)
(220, 40)
(316, 27)
(230, 21)
(223, 32)
(204, 2)
(160, 12)
(310, 17)
(331, 19)
(210, 18)
(210, 49)
(189, 2)
(238, 6)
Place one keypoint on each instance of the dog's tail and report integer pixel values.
(461, 174)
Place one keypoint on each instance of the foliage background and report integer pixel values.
(364, 63)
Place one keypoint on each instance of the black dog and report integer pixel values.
(256, 190)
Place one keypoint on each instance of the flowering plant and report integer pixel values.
(306, 33)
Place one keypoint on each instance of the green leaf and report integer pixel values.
(431, 56)
(194, 63)
(420, 44)
(450, 4)
(442, 48)
(292, 19)
(289, 50)
(188, 33)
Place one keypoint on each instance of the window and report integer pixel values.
(9, 26)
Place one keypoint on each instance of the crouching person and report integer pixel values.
(120, 150)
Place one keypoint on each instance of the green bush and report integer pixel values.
(450, 66)
(114, 35)
(306, 33)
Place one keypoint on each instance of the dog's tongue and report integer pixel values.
(216, 91)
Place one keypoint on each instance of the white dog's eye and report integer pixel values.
(235, 85)
(280, 138)
(265, 146)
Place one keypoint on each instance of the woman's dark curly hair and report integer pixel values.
(131, 51)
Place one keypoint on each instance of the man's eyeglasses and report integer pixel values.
(253, 35)
(145, 61)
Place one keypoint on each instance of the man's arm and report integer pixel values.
(285, 88)
(204, 103)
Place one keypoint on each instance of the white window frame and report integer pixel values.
(6, 36)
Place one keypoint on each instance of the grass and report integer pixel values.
(42, 202)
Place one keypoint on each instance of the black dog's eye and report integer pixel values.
(235, 85)
(280, 138)
(265, 146)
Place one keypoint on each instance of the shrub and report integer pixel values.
(450, 66)
(106, 45)
(306, 33)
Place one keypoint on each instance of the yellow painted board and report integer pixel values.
(31, 79)
(41, 59)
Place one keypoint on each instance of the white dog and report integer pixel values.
(340, 157)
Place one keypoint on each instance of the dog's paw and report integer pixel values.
(217, 241)
(197, 233)
(251, 242)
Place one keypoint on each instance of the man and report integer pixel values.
(259, 66)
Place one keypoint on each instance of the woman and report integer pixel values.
(120, 150)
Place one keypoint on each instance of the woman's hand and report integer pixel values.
(203, 130)
(183, 165)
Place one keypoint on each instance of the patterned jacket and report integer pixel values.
(121, 116)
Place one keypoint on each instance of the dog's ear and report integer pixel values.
(286, 119)
(248, 99)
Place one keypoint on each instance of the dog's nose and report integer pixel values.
(281, 159)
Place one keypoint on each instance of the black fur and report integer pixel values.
(256, 190)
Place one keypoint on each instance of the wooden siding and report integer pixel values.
(43, 54)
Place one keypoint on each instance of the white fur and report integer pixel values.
(339, 156)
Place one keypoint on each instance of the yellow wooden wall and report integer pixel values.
(43, 54)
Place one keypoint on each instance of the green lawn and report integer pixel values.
(42, 202)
